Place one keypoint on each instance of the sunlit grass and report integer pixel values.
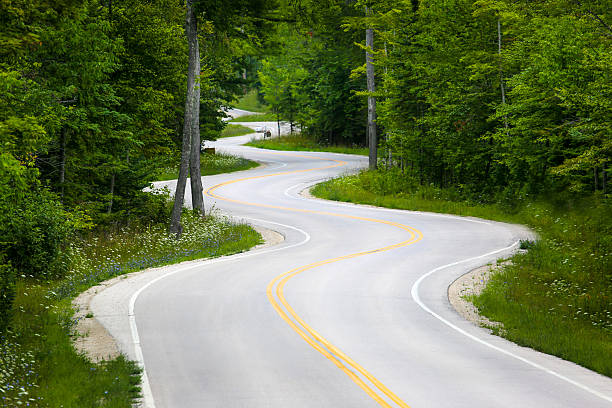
(556, 297)
(298, 142)
(211, 164)
(263, 117)
(251, 103)
(236, 130)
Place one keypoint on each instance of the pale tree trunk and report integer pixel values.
(112, 193)
(501, 72)
(191, 24)
(372, 142)
(62, 176)
(190, 101)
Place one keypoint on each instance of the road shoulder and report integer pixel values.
(92, 339)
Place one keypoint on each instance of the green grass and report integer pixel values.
(263, 117)
(250, 102)
(299, 142)
(39, 365)
(211, 164)
(235, 130)
(557, 296)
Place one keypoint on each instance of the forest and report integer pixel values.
(484, 102)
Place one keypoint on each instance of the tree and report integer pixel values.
(219, 17)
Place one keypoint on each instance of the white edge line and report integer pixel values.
(415, 295)
(147, 395)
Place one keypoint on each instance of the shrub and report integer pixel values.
(33, 232)
(7, 294)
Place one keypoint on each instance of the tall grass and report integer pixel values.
(210, 164)
(38, 364)
(557, 296)
(299, 142)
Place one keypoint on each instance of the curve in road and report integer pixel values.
(210, 338)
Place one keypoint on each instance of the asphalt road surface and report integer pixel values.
(351, 310)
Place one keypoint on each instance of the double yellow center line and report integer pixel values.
(356, 372)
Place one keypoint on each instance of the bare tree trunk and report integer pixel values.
(112, 192)
(604, 180)
(501, 72)
(278, 121)
(596, 178)
(193, 115)
(62, 176)
(372, 141)
(179, 195)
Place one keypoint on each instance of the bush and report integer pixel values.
(7, 294)
(33, 233)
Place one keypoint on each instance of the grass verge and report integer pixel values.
(211, 164)
(262, 117)
(39, 366)
(300, 142)
(556, 297)
(250, 102)
(235, 130)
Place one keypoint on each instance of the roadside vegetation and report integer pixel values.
(251, 102)
(260, 117)
(298, 142)
(557, 296)
(211, 163)
(38, 364)
(235, 130)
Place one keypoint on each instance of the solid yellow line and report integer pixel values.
(415, 237)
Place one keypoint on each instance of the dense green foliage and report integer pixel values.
(306, 79)
(92, 96)
(522, 110)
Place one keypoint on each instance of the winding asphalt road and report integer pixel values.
(351, 310)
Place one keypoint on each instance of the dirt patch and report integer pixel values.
(472, 284)
(92, 339)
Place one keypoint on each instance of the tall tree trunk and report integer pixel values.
(112, 192)
(179, 195)
(501, 72)
(604, 180)
(372, 142)
(62, 176)
(193, 96)
(278, 121)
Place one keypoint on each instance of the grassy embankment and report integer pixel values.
(250, 102)
(235, 130)
(210, 164)
(299, 142)
(556, 297)
(39, 365)
(260, 117)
